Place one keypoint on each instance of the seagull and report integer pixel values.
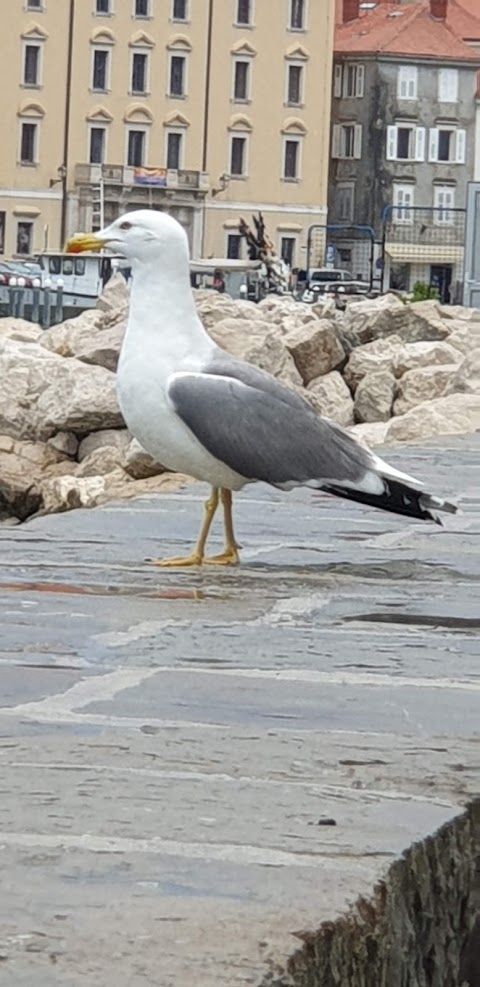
(202, 412)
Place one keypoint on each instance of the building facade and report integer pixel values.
(209, 109)
(404, 139)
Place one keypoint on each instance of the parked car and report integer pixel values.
(339, 290)
(327, 275)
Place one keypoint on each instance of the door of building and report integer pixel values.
(441, 279)
(471, 293)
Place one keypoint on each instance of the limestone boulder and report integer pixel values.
(380, 354)
(89, 337)
(115, 296)
(331, 397)
(466, 379)
(138, 463)
(20, 329)
(215, 309)
(66, 493)
(65, 443)
(370, 434)
(22, 467)
(324, 308)
(422, 384)
(454, 414)
(374, 397)
(42, 394)
(459, 313)
(315, 348)
(387, 316)
(465, 338)
(118, 438)
(415, 355)
(99, 462)
(258, 343)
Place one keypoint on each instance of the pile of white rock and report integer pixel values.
(391, 372)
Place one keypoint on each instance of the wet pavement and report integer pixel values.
(197, 765)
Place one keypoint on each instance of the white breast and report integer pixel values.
(142, 395)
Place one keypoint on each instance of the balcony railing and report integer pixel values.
(169, 178)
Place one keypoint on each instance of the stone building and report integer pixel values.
(210, 109)
(404, 139)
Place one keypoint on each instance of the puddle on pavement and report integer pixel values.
(416, 620)
(96, 589)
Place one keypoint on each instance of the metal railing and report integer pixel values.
(40, 303)
(327, 243)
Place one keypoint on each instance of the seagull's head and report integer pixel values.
(144, 235)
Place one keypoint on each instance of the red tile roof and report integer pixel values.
(463, 17)
(409, 29)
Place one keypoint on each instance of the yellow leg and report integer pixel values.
(229, 556)
(196, 558)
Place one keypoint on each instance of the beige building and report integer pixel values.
(210, 109)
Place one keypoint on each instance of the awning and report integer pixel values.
(424, 253)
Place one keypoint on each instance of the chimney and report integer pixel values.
(351, 10)
(438, 9)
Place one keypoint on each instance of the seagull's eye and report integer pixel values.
(125, 226)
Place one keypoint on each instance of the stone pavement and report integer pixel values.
(197, 766)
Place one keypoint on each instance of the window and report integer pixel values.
(142, 8)
(403, 197)
(177, 75)
(100, 69)
(2, 232)
(353, 80)
(136, 148)
(174, 153)
(294, 85)
(139, 72)
(291, 159)
(297, 15)
(234, 246)
(344, 201)
(34, 4)
(241, 81)
(97, 145)
(287, 249)
(443, 201)
(448, 85)
(238, 157)
(405, 142)
(180, 10)
(24, 237)
(407, 82)
(28, 143)
(103, 6)
(447, 144)
(347, 140)
(31, 65)
(349, 80)
(244, 12)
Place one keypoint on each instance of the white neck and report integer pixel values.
(163, 305)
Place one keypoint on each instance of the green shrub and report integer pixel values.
(423, 291)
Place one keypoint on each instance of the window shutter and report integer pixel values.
(391, 143)
(337, 80)
(360, 81)
(357, 141)
(433, 144)
(460, 146)
(336, 141)
(412, 83)
(420, 144)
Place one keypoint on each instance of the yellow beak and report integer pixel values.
(82, 242)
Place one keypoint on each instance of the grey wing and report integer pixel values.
(263, 431)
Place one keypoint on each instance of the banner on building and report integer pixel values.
(150, 176)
